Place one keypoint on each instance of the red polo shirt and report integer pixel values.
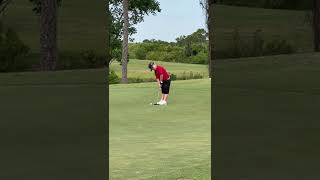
(161, 71)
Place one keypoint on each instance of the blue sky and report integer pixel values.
(177, 17)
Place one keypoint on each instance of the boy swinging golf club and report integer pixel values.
(163, 80)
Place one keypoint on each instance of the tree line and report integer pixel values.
(123, 15)
(192, 49)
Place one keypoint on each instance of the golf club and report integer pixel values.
(155, 100)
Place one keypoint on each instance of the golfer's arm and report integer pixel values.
(158, 81)
(161, 77)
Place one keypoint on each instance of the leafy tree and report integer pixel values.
(141, 52)
(37, 5)
(108, 48)
(12, 50)
(137, 10)
(125, 42)
(188, 49)
(207, 6)
(155, 41)
(3, 5)
(210, 23)
(200, 36)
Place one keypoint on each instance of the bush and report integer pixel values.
(153, 55)
(140, 53)
(256, 47)
(116, 54)
(168, 55)
(190, 75)
(236, 46)
(169, 52)
(113, 78)
(278, 47)
(92, 59)
(173, 76)
(137, 80)
(173, 56)
(70, 60)
(258, 43)
(80, 60)
(200, 58)
(12, 51)
(132, 49)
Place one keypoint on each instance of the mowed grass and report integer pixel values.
(52, 125)
(155, 142)
(67, 77)
(266, 117)
(81, 24)
(136, 69)
(139, 69)
(276, 24)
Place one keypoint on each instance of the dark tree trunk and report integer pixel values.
(124, 62)
(211, 36)
(108, 36)
(48, 35)
(3, 5)
(316, 24)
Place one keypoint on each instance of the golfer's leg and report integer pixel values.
(165, 97)
(166, 93)
(162, 97)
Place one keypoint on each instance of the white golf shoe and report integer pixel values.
(163, 103)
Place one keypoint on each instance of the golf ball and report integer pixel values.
(150, 103)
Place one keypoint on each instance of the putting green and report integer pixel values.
(160, 142)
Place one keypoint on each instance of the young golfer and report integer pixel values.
(163, 80)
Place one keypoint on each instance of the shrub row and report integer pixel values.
(114, 79)
(169, 52)
(257, 46)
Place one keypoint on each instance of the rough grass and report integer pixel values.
(266, 117)
(139, 69)
(153, 142)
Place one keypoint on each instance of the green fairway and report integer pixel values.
(81, 24)
(266, 117)
(160, 142)
(139, 69)
(284, 24)
(52, 125)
